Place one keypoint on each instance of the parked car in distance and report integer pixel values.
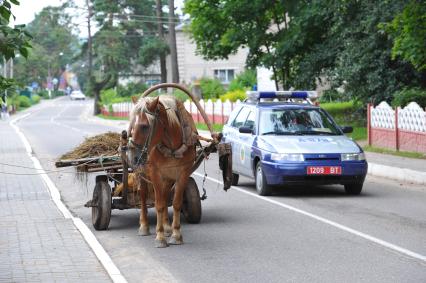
(77, 95)
(280, 138)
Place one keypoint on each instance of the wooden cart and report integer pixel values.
(117, 172)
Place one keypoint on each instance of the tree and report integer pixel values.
(124, 41)
(13, 41)
(408, 30)
(304, 42)
(54, 46)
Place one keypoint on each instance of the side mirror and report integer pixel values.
(246, 130)
(347, 129)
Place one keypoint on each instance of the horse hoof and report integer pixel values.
(167, 233)
(144, 231)
(175, 240)
(161, 243)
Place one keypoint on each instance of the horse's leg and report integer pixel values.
(166, 224)
(160, 206)
(143, 220)
(176, 238)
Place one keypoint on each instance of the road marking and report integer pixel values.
(88, 236)
(329, 222)
(53, 121)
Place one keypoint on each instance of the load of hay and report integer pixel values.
(100, 145)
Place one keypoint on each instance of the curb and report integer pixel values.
(398, 174)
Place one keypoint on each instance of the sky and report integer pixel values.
(26, 11)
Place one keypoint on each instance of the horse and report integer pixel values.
(163, 139)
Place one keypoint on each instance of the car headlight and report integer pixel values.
(287, 157)
(352, 156)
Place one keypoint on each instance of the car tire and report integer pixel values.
(353, 189)
(235, 178)
(262, 187)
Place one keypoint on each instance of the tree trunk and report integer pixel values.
(172, 42)
(160, 31)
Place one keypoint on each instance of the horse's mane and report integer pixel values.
(169, 102)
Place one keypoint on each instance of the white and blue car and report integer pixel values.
(281, 138)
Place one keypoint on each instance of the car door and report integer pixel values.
(246, 145)
(233, 136)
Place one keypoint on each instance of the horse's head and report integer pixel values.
(146, 128)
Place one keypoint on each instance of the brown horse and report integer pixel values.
(164, 158)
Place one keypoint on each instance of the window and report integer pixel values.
(250, 120)
(241, 118)
(296, 122)
(224, 75)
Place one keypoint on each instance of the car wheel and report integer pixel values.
(353, 189)
(262, 187)
(235, 178)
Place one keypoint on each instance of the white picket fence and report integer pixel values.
(217, 111)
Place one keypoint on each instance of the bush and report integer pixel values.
(403, 97)
(211, 88)
(180, 95)
(43, 93)
(57, 93)
(234, 95)
(345, 113)
(245, 80)
(24, 101)
(131, 89)
(110, 96)
(35, 99)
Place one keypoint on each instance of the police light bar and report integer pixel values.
(288, 94)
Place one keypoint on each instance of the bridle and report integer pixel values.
(142, 150)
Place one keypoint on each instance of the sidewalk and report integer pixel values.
(398, 168)
(37, 243)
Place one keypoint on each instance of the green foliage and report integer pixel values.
(24, 101)
(43, 93)
(57, 93)
(110, 96)
(345, 113)
(403, 97)
(54, 46)
(35, 99)
(180, 95)
(408, 29)
(131, 89)
(211, 88)
(13, 40)
(243, 81)
(330, 95)
(339, 41)
(234, 95)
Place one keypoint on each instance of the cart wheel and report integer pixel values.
(101, 213)
(191, 207)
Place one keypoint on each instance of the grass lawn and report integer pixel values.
(203, 126)
(111, 117)
(393, 152)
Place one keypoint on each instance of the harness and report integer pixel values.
(142, 151)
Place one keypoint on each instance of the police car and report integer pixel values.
(281, 138)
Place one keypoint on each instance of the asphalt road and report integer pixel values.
(300, 234)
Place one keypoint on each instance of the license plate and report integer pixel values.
(324, 170)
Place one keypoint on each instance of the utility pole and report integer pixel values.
(160, 31)
(96, 109)
(89, 38)
(172, 42)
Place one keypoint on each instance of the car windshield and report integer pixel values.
(296, 122)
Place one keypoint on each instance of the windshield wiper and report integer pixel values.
(317, 133)
(283, 133)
